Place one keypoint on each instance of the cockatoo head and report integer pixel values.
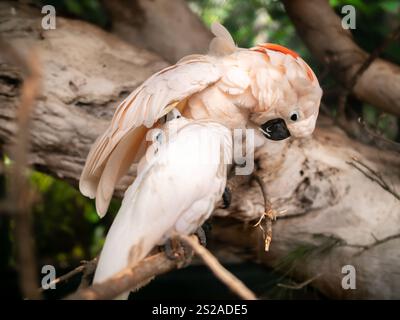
(289, 94)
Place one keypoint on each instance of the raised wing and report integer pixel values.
(114, 151)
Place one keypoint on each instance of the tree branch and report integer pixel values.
(219, 271)
(128, 279)
(86, 267)
(321, 29)
(20, 194)
(166, 27)
(373, 176)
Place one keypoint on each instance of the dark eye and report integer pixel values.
(294, 116)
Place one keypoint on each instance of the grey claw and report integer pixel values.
(226, 198)
(200, 233)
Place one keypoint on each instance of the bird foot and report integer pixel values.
(175, 249)
(226, 198)
(201, 234)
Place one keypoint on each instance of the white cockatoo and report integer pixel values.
(179, 181)
(268, 86)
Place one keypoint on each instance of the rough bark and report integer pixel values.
(87, 72)
(321, 29)
(335, 216)
(166, 27)
(334, 211)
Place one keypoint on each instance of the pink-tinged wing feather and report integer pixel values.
(133, 117)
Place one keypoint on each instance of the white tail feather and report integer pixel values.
(175, 191)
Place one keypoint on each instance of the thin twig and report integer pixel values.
(373, 176)
(132, 278)
(129, 279)
(376, 139)
(299, 286)
(231, 281)
(269, 214)
(87, 267)
(360, 131)
(20, 194)
(374, 244)
(65, 277)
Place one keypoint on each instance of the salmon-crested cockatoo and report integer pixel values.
(268, 86)
(178, 183)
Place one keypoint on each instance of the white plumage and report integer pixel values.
(231, 85)
(180, 179)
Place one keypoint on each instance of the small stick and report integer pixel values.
(20, 194)
(65, 277)
(299, 285)
(231, 281)
(373, 176)
(129, 279)
(269, 214)
(87, 267)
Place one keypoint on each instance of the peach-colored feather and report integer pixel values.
(143, 107)
(229, 85)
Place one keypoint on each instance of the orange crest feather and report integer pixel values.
(276, 47)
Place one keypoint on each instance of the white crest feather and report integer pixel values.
(223, 43)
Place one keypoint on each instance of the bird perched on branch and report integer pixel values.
(269, 87)
(179, 181)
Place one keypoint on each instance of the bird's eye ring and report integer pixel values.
(294, 116)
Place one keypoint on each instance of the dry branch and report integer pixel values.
(299, 286)
(128, 279)
(86, 267)
(346, 90)
(332, 211)
(219, 271)
(81, 87)
(166, 27)
(133, 278)
(373, 176)
(20, 194)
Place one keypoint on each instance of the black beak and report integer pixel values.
(275, 129)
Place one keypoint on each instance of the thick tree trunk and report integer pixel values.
(333, 210)
(335, 215)
(87, 72)
(166, 27)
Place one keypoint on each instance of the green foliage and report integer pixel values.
(64, 215)
(250, 22)
(375, 20)
(67, 228)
